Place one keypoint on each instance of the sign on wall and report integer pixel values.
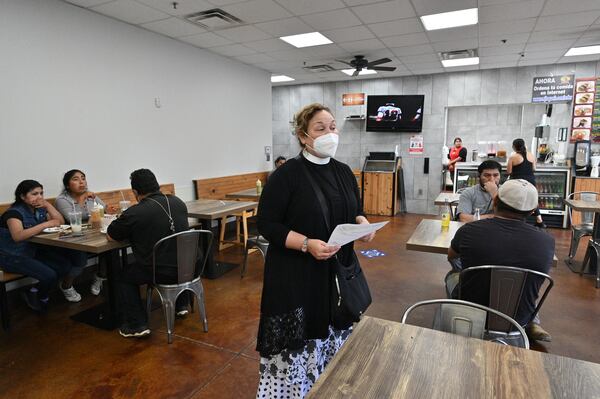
(552, 89)
(353, 99)
(584, 108)
(416, 144)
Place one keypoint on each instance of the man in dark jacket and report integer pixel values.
(154, 217)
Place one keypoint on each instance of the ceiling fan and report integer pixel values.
(360, 62)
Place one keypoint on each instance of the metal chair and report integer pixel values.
(592, 256)
(507, 284)
(586, 225)
(192, 253)
(468, 319)
(258, 242)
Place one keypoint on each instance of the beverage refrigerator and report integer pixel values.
(552, 184)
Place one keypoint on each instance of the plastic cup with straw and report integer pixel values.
(124, 204)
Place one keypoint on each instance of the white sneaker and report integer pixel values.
(70, 294)
(96, 286)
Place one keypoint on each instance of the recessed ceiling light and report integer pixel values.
(306, 40)
(460, 62)
(450, 19)
(586, 50)
(362, 72)
(281, 78)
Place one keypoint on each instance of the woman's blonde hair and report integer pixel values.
(303, 117)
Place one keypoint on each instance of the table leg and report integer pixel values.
(214, 269)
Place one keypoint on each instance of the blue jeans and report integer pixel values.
(48, 265)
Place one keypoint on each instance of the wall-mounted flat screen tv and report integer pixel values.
(395, 113)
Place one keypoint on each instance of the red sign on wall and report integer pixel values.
(353, 99)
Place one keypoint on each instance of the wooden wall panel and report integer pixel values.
(218, 187)
(584, 184)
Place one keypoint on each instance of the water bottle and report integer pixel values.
(446, 214)
(477, 214)
(258, 187)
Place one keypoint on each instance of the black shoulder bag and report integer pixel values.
(350, 296)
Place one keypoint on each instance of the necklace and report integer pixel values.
(172, 224)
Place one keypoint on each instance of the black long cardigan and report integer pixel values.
(296, 293)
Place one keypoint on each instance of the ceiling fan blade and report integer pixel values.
(382, 68)
(356, 71)
(345, 62)
(377, 62)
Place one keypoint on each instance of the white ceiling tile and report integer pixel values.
(415, 66)
(556, 54)
(243, 34)
(557, 34)
(424, 58)
(453, 45)
(501, 28)
(255, 58)
(87, 3)
(413, 50)
(490, 41)
(541, 61)
(503, 49)
(426, 7)
(184, 7)
(406, 40)
(490, 59)
(567, 20)
(224, 2)
(288, 55)
(511, 11)
(587, 41)
(386, 11)
(174, 27)
(351, 3)
(348, 34)
(331, 19)
(285, 27)
(232, 50)
(497, 65)
(554, 7)
(328, 51)
(310, 6)
(257, 11)
(269, 45)
(444, 35)
(130, 11)
(278, 65)
(361, 46)
(549, 45)
(398, 27)
(495, 2)
(206, 40)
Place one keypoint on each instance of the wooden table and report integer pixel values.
(101, 316)
(208, 210)
(430, 237)
(249, 194)
(385, 359)
(443, 197)
(589, 206)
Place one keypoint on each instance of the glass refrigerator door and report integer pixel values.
(465, 178)
(551, 188)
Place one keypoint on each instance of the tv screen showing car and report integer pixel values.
(395, 113)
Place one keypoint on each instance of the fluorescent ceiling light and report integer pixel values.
(281, 78)
(450, 19)
(586, 50)
(362, 72)
(460, 62)
(306, 40)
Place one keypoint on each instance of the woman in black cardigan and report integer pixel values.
(295, 338)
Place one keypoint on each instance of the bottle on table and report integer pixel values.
(258, 187)
(477, 214)
(446, 214)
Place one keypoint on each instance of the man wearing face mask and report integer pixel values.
(296, 326)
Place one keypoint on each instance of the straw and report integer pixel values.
(122, 196)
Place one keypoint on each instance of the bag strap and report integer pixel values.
(318, 192)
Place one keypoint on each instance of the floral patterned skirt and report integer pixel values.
(291, 373)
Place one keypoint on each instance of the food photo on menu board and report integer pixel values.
(583, 110)
(580, 134)
(582, 123)
(584, 98)
(585, 86)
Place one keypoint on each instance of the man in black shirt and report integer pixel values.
(504, 240)
(154, 217)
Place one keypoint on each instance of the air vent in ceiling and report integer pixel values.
(319, 68)
(214, 19)
(458, 54)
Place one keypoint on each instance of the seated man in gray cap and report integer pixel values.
(505, 240)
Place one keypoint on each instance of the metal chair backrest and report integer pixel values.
(190, 251)
(585, 217)
(464, 318)
(507, 284)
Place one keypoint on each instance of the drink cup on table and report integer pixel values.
(123, 205)
(95, 217)
(75, 221)
(106, 221)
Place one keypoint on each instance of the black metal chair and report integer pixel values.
(258, 242)
(192, 253)
(467, 319)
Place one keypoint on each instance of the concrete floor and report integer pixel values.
(51, 356)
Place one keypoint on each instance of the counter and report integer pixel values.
(539, 166)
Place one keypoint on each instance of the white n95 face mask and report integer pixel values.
(326, 145)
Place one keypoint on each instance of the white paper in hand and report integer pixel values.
(345, 233)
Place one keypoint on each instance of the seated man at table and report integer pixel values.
(505, 240)
(480, 195)
(155, 216)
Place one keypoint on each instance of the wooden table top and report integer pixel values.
(92, 241)
(215, 209)
(584, 206)
(385, 359)
(249, 194)
(430, 237)
(442, 197)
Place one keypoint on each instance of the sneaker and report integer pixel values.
(540, 225)
(70, 294)
(535, 332)
(181, 313)
(96, 286)
(32, 300)
(134, 332)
